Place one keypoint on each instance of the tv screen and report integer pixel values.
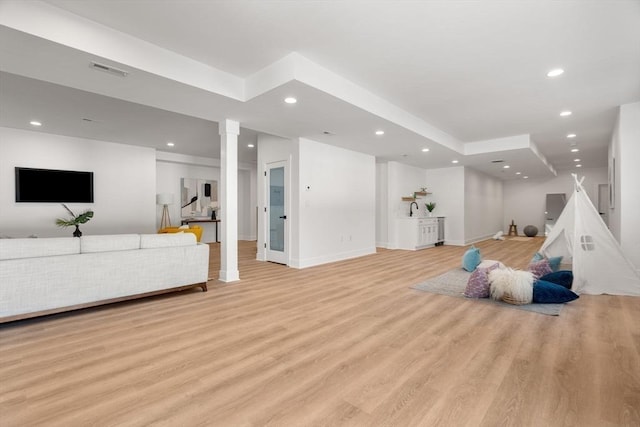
(53, 186)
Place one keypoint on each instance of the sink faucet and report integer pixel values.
(411, 208)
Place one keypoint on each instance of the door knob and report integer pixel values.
(283, 217)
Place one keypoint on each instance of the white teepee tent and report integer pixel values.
(581, 237)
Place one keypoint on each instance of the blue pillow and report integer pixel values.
(550, 293)
(471, 258)
(554, 262)
(563, 278)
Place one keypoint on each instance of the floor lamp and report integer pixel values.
(164, 199)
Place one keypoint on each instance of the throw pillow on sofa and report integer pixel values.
(471, 258)
(550, 293)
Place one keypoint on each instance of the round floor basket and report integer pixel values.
(510, 299)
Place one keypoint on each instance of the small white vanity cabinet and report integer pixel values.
(417, 233)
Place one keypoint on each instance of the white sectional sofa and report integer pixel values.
(50, 275)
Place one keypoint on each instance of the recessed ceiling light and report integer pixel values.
(424, 150)
(578, 166)
(575, 150)
(379, 132)
(454, 161)
(565, 113)
(170, 144)
(571, 135)
(290, 100)
(525, 177)
(576, 160)
(518, 173)
(506, 166)
(555, 72)
(250, 145)
(35, 123)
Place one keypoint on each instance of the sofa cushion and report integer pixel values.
(33, 248)
(149, 241)
(109, 243)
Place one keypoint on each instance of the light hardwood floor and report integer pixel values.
(347, 343)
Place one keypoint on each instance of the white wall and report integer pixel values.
(447, 188)
(124, 184)
(614, 155)
(402, 180)
(336, 204)
(172, 167)
(625, 147)
(274, 149)
(382, 205)
(525, 199)
(483, 205)
(330, 206)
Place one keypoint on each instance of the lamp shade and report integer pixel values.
(164, 199)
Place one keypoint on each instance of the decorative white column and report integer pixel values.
(229, 131)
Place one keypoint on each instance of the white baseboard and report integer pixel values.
(478, 239)
(384, 245)
(325, 259)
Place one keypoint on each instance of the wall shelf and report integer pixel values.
(416, 195)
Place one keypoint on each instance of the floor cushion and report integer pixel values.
(540, 268)
(511, 286)
(471, 258)
(563, 278)
(478, 283)
(549, 293)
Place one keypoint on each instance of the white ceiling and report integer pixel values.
(472, 70)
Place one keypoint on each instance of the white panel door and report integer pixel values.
(278, 230)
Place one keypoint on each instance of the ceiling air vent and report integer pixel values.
(497, 161)
(108, 69)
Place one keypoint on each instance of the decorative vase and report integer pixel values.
(77, 233)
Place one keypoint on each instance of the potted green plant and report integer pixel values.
(75, 220)
(430, 207)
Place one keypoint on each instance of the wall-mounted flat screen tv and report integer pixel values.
(53, 186)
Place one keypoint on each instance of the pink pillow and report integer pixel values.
(478, 284)
(540, 268)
